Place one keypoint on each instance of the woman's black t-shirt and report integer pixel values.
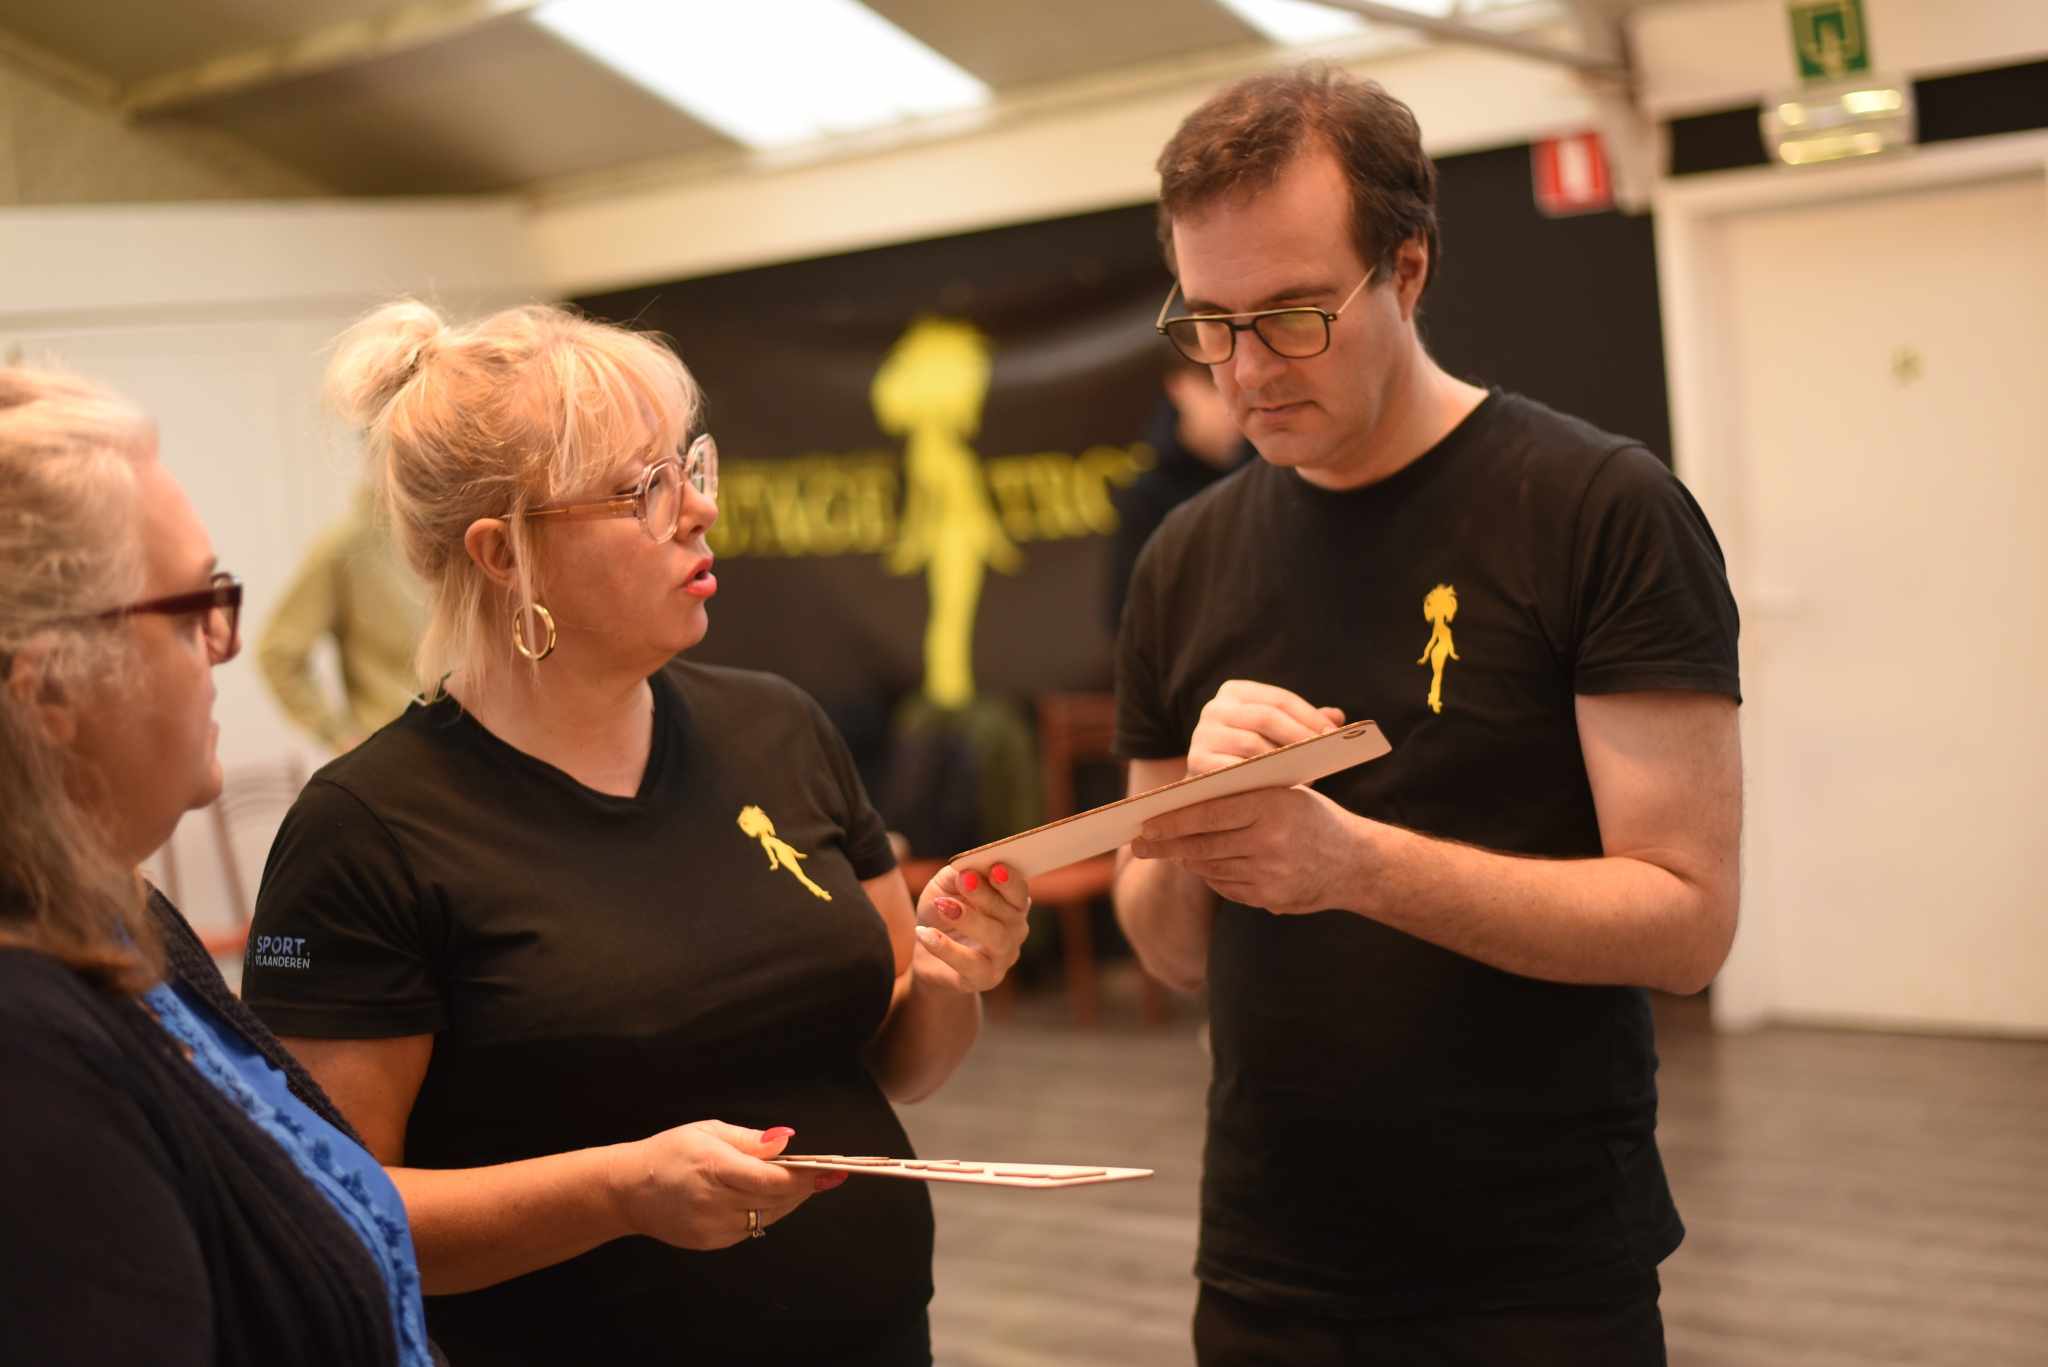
(595, 969)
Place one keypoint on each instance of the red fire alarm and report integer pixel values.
(1570, 175)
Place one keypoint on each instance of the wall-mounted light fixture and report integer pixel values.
(1827, 122)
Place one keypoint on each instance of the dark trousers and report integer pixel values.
(1230, 1332)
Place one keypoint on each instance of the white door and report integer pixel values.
(1889, 360)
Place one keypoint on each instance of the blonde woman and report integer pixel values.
(541, 958)
(173, 1188)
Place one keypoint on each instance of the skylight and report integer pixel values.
(768, 73)
(1303, 21)
(1296, 21)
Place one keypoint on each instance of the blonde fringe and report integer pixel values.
(486, 421)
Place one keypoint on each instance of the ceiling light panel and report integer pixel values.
(1304, 21)
(768, 73)
(1296, 21)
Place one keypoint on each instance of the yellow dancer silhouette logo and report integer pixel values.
(931, 387)
(1439, 605)
(781, 854)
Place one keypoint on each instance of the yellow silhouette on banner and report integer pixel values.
(931, 386)
(1439, 605)
(781, 854)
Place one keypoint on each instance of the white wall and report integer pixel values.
(215, 318)
(1854, 354)
(1814, 947)
(1722, 54)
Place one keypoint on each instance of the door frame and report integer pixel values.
(1691, 217)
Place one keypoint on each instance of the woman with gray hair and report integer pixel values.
(173, 1188)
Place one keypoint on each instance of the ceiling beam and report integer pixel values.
(59, 71)
(1476, 35)
(1197, 74)
(348, 43)
(1186, 80)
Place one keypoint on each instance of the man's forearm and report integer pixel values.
(1612, 920)
(1167, 914)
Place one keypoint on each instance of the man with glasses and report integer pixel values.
(1432, 1123)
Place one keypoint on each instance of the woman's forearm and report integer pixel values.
(476, 1227)
(928, 1034)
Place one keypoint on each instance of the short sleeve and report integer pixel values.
(1144, 727)
(101, 1262)
(342, 945)
(867, 835)
(1652, 603)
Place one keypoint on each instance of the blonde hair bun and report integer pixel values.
(378, 356)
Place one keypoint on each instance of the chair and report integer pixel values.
(258, 798)
(252, 801)
(1061, 890)
(1076, 729)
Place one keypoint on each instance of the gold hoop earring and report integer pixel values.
(547, 620)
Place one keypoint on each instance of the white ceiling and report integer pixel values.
(457, 96)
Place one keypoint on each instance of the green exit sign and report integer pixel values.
(1830, 39)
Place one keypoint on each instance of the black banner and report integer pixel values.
(919, 443)
(918, 446)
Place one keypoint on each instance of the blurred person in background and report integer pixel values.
(173, 1188)
(586, 894)
(1195, 442)
(354, 590)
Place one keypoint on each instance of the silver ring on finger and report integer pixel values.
(755, 1229)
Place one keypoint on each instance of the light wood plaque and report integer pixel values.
(1027, 1176)
(1101, 829)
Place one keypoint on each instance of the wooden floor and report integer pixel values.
(1851, 1199)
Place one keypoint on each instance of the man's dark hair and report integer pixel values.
(1242, 138)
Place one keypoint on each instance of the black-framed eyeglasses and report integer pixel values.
(1295, 333)
(658, 501)
(220, 601)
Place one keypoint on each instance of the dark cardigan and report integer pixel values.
(143, 1216)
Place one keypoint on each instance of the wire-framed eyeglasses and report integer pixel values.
(658, 500)
(1295, 333)
(220, 601)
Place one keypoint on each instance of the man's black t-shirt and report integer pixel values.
(595, 969)
(1394, 1127)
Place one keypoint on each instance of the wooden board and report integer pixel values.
(1101, 829)
(1025, 1176)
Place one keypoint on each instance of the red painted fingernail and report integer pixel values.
(829, 1180)
(999, 874)
(970, 881)
(779, 1132)
(949, 908)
